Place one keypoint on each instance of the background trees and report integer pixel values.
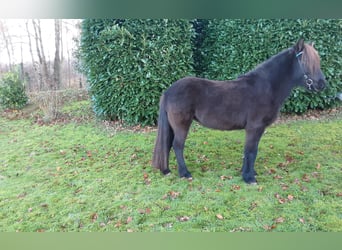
(42, 50)
(130, 62)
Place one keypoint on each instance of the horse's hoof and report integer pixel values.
(250, 180)
(166, 172)
(187, 176)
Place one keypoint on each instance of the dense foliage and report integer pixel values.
(233, 47)
(12, 91)
(129, 63)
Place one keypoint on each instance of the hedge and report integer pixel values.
(233, 47)
(129, 63)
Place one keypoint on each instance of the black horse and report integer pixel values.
(251, 102)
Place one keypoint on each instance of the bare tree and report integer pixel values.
(57, 61)
(41, 54)
(34, 64)
(8, 43)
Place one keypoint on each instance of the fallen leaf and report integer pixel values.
(315, 174)
(168, 225)
(144, 211)
(174, 194)
(147, 182)
(118, 224)
(253, 205)
(94, 217)
(223, 177)
(290, 197)
(219, 216)
(306, 178)
(44, 205)
(22, 195)
(277, 177)
(272, 171)
(183, 218)
(235, 187)
(281, 200)
(134, 156)
(296, 181)
(279, 220)
(129, 219)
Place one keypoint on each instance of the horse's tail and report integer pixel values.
(164, 140)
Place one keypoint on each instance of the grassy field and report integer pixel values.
(85, 175)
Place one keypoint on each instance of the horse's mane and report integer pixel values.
(264, 66)
(310, 59)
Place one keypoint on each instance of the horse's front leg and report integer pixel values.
(250, 153)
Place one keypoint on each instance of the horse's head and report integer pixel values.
(309, 66)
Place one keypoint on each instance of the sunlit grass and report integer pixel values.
(79, 177)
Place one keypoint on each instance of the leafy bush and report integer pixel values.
(12, 91)
(233, 47)
(129, 63)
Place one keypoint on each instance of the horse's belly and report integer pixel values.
(222, 122)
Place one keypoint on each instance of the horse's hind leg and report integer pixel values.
(180, 126)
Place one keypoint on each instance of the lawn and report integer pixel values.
(86, 175)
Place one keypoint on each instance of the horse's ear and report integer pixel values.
(299, 46)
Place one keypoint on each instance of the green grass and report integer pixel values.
(78, 176)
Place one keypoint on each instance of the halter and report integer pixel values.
(308, 80)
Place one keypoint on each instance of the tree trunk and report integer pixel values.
(57, 61)
(44, 70)
(8, 44)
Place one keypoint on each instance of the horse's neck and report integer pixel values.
(278, 72)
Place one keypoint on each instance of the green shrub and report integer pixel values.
(233, 47)
(12, 91)
(129, 63)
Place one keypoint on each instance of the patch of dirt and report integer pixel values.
(334, 113)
